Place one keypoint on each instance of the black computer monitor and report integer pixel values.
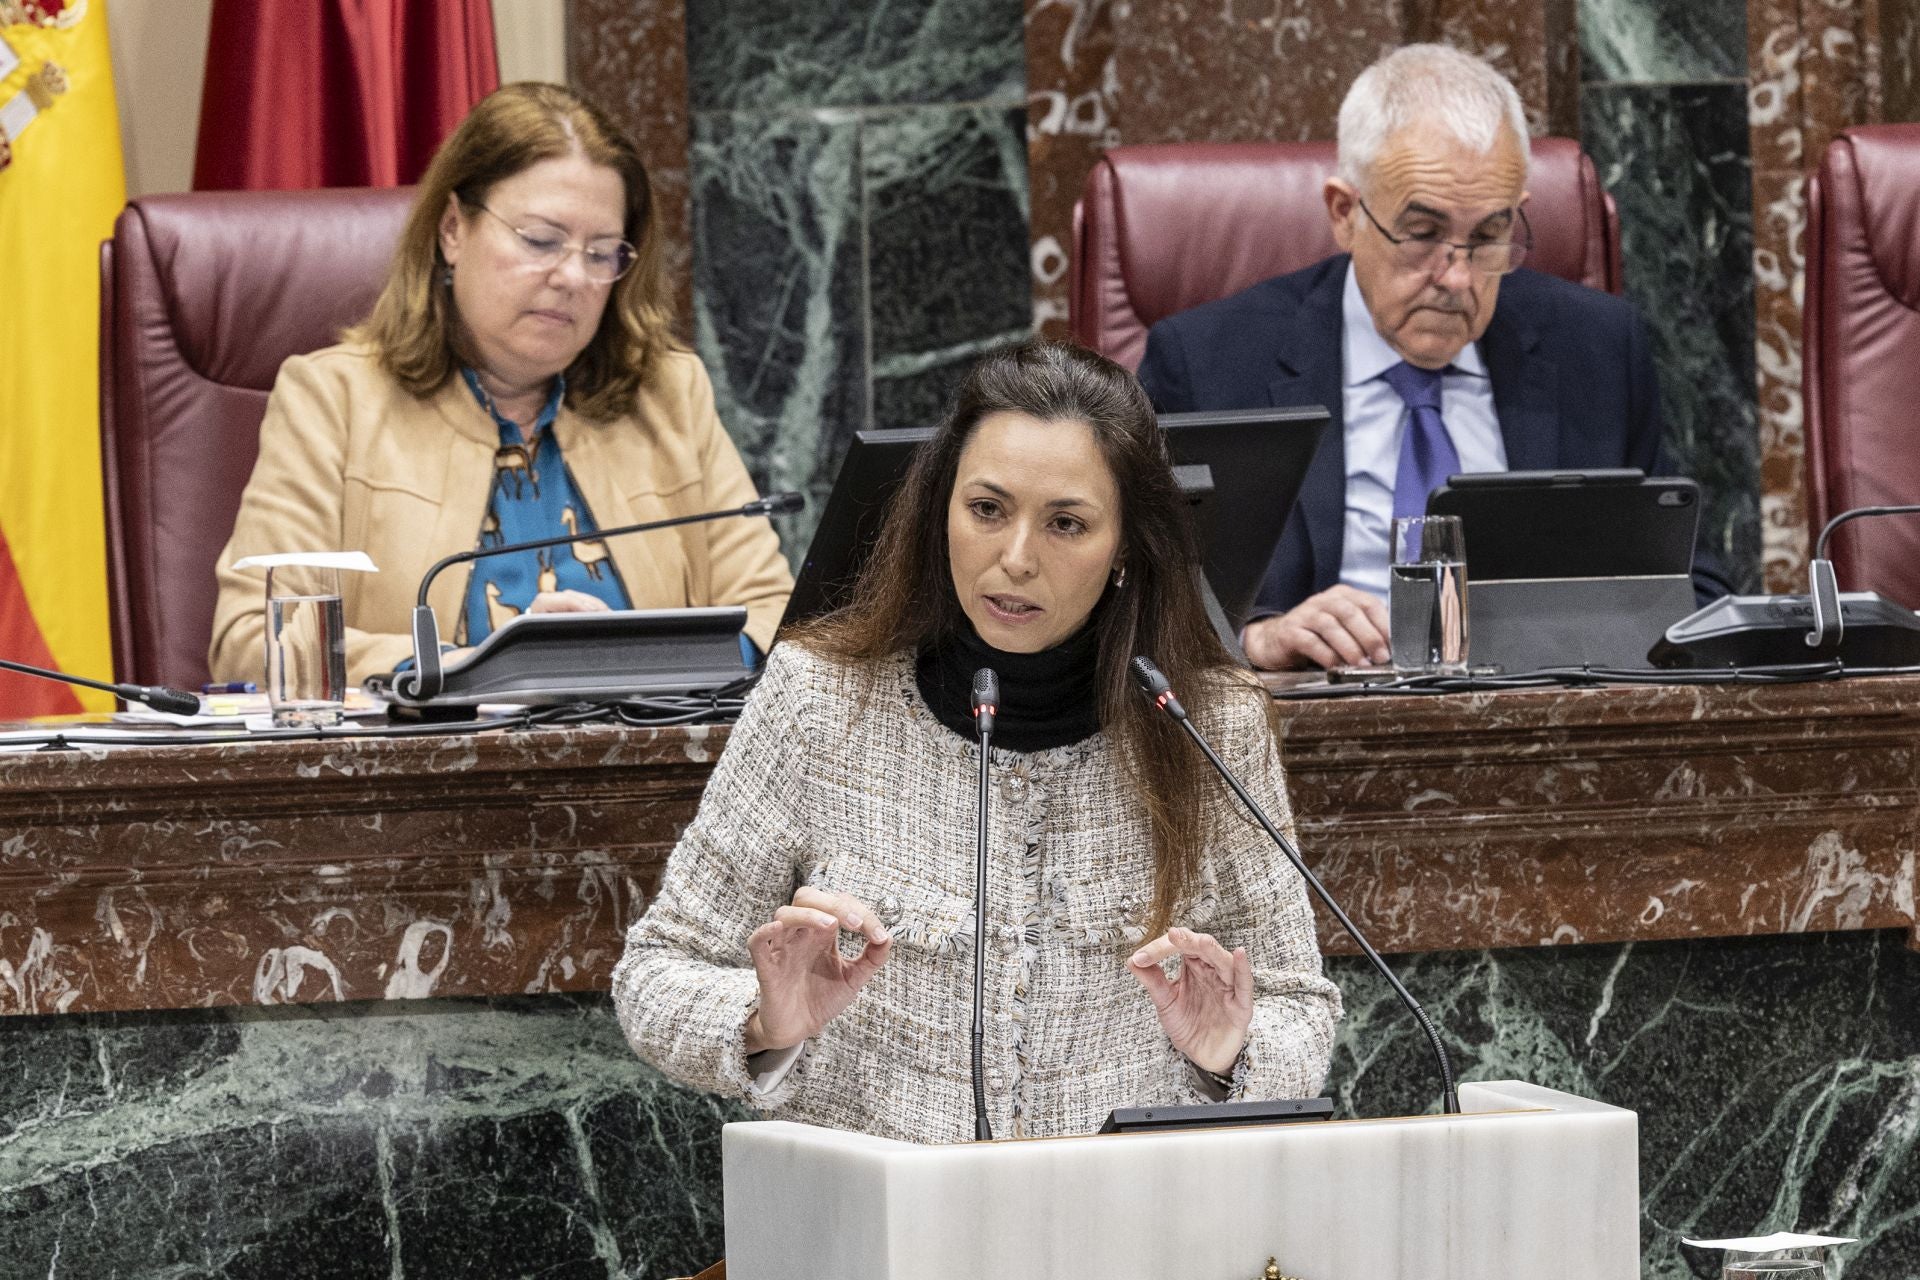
(1241, 468)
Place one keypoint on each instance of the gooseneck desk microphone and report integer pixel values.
(986, 704)
(1155, 686)
(157, 696)
(426, 680)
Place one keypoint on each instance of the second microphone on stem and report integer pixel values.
(1161, 694)
(986, 704)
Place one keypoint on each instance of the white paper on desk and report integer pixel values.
(357, 561)
(1766, 1244)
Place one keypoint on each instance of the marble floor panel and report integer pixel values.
(433, 1139)
(1777, 1081)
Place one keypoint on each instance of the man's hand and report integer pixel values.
(1341, 626)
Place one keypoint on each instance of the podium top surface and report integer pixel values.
(1480, 1103)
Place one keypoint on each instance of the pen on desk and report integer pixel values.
(231, 686)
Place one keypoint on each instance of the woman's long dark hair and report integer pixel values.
(904, 598)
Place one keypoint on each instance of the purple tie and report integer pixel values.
(1427, 455)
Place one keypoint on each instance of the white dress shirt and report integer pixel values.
(1376, 422)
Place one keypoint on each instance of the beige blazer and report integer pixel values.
(351, 461)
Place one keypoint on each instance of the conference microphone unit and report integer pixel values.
(427, 679)
(1155, 686)
(986, 705)
(1858, 629)
(157, 696)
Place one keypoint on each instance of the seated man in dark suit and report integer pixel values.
(1401, 339)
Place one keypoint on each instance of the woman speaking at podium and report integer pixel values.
(811, 948)
(515, 381)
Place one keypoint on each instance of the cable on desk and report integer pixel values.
(1593, 677)
(664, 711)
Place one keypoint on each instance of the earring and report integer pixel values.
(446, 277)
(1120, 576)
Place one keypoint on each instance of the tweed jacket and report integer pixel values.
(843, 778)
(352, 461)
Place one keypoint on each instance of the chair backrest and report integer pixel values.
(201, 298)
(1159, 229)
(1861, 368)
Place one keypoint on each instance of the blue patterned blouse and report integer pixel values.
(533, 497)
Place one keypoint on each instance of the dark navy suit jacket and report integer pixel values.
(1573, 387)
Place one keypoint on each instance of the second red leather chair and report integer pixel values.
(201, 297)
(1160, 229)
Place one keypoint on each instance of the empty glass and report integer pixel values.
(306, 646)
(1427, 596)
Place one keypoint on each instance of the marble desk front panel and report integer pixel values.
(176, 877)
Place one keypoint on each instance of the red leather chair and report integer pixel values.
(1160, 229)
(201, 297)
(1861, 371)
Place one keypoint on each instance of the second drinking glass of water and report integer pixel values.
(306, 646)
(1427, 596)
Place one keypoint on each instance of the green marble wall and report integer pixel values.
(859, 182)
(1777, 1082)
(1663, 113)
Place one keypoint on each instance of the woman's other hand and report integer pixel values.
(804, 980)
(1207, 1010)
(567, 602)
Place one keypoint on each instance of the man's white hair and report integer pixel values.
(1426, 82)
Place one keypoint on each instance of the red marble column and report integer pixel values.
(630, 56)
(1814, 67)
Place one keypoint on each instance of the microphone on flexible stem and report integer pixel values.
(1823, 586)
(426, 680)
(1160, 693)
(157, 696)
(986, 704)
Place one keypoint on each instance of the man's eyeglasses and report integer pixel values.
(603, 261)
(1429, 253)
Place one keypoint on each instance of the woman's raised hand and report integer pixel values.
(1207, 1010)
(804, 980)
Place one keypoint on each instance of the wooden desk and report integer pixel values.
(289, 872)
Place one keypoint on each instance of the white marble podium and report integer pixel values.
(1528, 1183)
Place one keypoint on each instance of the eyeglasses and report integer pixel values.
(1487, 257)
(545, 249)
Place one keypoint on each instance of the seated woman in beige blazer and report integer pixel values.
(516, 380)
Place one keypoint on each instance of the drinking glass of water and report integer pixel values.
(1796, 1263)
(1427, 596)
(1775, 1268)
(306, 646)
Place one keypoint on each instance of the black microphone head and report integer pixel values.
(1148, 676)
(171, 701)
(986, 691)
(1155, 686)
(783, 504)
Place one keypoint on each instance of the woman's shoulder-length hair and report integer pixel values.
(412, 329)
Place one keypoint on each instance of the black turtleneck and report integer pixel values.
(1047, 699)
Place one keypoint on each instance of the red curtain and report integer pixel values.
(337, 93)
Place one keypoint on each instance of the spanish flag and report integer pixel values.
(61, 186)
